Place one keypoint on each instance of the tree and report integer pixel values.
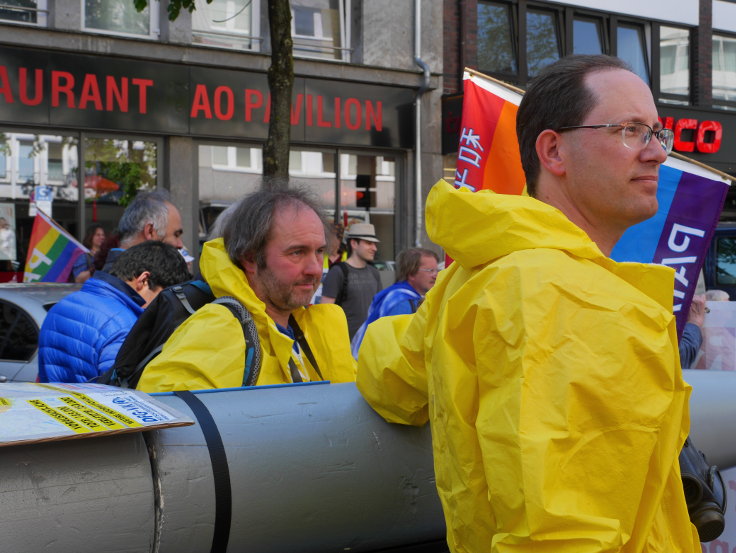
(280, 83)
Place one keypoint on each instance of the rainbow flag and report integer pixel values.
(488, 153)
(690, 196)
(51, 252)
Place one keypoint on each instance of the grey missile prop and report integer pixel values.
(312, 469)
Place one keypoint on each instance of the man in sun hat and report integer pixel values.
(352, 283)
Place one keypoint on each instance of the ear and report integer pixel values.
(550, 152)
(249, 265)
(141, 281)
(149, 233)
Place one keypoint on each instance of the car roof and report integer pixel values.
(42, 293)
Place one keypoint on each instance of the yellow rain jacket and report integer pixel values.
(550, 375)
(208, 349)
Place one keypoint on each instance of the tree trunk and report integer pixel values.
(280, 82)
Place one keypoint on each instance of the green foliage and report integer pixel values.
(174, 7)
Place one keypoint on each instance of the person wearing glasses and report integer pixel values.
(416, 273)
(549, 372)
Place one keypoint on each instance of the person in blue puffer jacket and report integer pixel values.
(82, 334)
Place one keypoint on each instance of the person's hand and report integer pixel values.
(696, 315)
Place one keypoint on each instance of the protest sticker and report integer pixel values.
(32, 412)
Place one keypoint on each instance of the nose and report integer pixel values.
(654, 151)
(315, 264)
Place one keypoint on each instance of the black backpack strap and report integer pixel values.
(178, 290)
(302, 341)
(253, 355)
(343, 293)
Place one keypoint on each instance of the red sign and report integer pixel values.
(692, 135)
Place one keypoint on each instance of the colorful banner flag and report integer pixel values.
(690, 196)
(52, 251)
(488, 153)
(690, 202)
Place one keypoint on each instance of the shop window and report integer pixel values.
(631, 47)
(321, 28)
(116, 168)
(724, 70)
(587, 36)
(495, 38)
(121, 18)
(674, 61)
(32, 12)
(227, 24)
(236, 158)
(542, 40)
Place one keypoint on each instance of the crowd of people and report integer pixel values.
(549, 374)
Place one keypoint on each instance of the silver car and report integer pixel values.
(23, 308)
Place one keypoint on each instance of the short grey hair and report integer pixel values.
(248, 226)
(147, 207)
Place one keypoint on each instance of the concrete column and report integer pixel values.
(181, 170)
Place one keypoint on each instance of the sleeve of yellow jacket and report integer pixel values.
(391, 375)
(557, 419)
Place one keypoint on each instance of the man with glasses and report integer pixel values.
(549, 372)
(416, 273)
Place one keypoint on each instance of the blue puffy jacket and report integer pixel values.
(82, 334)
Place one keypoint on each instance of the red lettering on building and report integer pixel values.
(23, 87)
(373, 115)
(713, 146)
(309, 111)
(90, 93)
(353, 114)
(320, 115)
(682, 145)
(229, 103)
(142, 85)
(691, 135)
(253, 100)
(338, 112)
(296, 109)
(201, 102)
(58, 88)
(115, 94)
(5, 89)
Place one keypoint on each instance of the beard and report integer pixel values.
(283, 295)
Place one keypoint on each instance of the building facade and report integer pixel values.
(685, 50)
(98, 100)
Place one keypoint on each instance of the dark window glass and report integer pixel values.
(586, 37)
(724, 68)
(19, 10)
(631, 49)
(542, 41)
(674, 60)
(495, 45)
(726, 261)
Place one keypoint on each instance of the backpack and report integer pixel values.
(342, 294)
(164, 315)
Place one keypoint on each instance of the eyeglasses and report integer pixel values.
(634, 135)
(433, 271)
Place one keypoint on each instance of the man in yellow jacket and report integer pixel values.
(550, 373)
(270, 259)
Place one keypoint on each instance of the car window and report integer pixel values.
(18, 333)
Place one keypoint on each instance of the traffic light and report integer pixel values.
(363, 192)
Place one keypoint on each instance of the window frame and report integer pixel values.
(253, 34)
(720, 103)
(339, 53)
(42, 15)
(154, 31)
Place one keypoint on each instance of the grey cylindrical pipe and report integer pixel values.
(312, 469)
